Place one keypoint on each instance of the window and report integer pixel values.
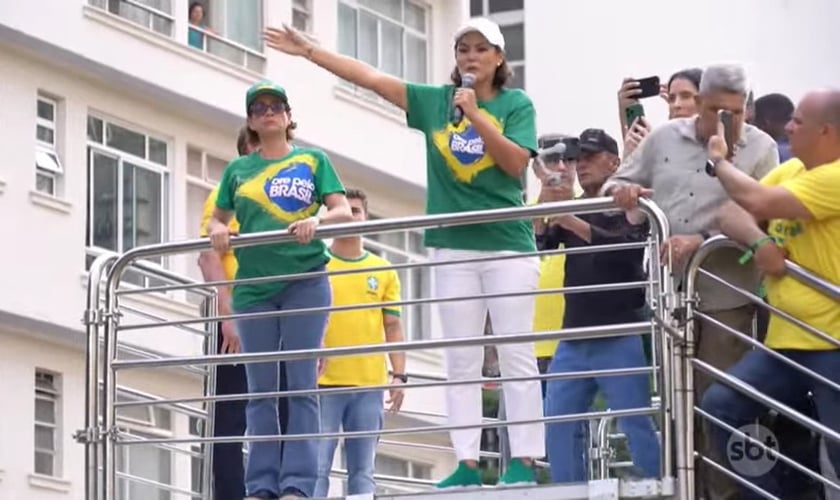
(128, 188)
(391, 466)
(510, 16)
(484, 7)
(155, 15)
(47, 423)
(302, 15)
(399, 248)
(150, 462)
(391, 35)
(234, 32)
(197, 457)
(48, 169)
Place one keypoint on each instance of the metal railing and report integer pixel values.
(694, 315)
(107, 302)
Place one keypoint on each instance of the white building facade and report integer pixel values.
(130, 127)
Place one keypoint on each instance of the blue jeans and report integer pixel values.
(783, 383)
(228, 471)
(565, 442)
(359, 411)
(266, 471)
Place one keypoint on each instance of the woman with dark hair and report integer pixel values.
(280, 186)
(679, 93)
(480, 136)
(197, 25)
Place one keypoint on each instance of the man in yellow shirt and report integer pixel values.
(375, 324)
(800, 202)
(228, 471)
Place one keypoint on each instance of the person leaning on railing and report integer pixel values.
(479, 138)
(279, 187)
(228, 470)
(567, 450)
(669, 169)
(800, 204)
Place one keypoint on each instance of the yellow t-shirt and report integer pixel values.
(813, 244)
(359, 326)
(549, 308)
(228, 260)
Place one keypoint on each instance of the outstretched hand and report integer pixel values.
(287, 40)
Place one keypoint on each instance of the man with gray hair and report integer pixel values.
(669, 168)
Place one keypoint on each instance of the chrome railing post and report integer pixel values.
(91, 435)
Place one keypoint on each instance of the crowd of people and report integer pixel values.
(480, 135)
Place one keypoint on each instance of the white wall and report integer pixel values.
(19, 359)
(578, 52)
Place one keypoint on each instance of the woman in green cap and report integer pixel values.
(279, 187)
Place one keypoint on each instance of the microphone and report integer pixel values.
(467, 82)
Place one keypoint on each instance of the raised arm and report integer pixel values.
(290, 41)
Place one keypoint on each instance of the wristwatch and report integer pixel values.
(402, 377)
(711, 165)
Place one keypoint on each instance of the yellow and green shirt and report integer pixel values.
(813, 244)
(359, 326)
(269, 195)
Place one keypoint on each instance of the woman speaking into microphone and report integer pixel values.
(479, 138)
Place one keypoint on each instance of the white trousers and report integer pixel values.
(508, 315)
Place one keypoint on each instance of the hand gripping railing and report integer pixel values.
(660, 295)
(686, 443)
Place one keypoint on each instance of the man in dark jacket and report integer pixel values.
(566, 452)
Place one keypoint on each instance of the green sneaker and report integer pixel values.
(463, 477)
(518, 473)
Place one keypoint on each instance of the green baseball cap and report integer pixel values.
(264, 87)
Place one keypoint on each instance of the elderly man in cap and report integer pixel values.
(567, 451)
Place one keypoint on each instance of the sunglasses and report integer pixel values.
(261, 108)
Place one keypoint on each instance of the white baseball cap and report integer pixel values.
(486, 27)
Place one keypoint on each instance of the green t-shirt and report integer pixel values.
(268, 195)
(462, 176)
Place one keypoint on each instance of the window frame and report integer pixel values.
(407, 254)
(112, 7)
(506, 19)
(166, 184)
(53, 395)
(144, 429)
(218, 23)
(52, 168)
(406, 30)
(390, 489)
(304, 10)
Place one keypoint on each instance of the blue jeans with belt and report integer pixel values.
(267, 473)
(567, 451)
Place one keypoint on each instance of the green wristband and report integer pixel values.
(748, 255)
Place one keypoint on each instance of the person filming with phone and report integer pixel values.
(566, 444)
(679, 93)
(671, 170)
